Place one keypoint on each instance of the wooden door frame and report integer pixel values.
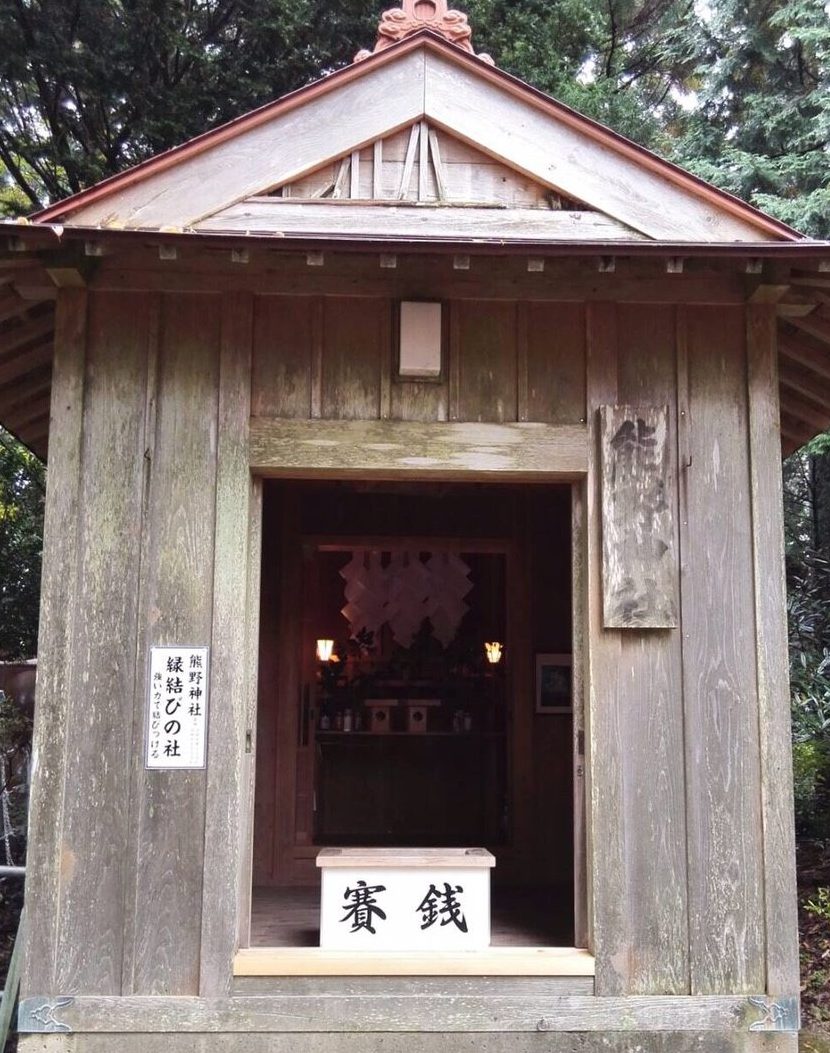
(579, 603)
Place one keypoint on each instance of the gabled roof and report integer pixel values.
(421, 143)
(421, 79)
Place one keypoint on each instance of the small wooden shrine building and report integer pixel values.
(411, 361)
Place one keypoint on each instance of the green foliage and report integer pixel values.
(22, 483)
(615, 62)
(762, 127)
(819, 904)
(89, 87)
(811, 767)
(807, 539)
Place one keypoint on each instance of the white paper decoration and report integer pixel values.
(405, 592)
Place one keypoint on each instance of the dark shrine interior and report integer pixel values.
(382, 720)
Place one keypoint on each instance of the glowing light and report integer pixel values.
(494, 652)
(325, 650)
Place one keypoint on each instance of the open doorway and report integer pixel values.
(383, 720)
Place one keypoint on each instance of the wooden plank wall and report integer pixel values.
(674, 807)
(331, 357)
(674, 752)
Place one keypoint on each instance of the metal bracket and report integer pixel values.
(780, 1014)
(37, 1017)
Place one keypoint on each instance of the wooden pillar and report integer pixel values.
(57, 607)
(723, 800)
(780, 905)
(606, 835)
(225, 819)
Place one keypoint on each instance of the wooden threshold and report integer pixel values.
(496, 961)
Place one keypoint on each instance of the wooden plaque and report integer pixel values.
(639, 562)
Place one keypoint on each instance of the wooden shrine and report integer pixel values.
(414, 483)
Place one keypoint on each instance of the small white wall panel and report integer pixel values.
(420, 345)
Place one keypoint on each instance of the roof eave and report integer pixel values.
(42, 235)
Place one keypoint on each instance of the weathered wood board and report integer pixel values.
(417, 1012)
(276, 215)
(723, 798)
(639, 572)
(357, 1042)
(58, 604)
(280, 148)
(176, 594)
(608, 917)
(397, 448)
(99, 715)
(651, 721)
(781, 899)
(225, 819)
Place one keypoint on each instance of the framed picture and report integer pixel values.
(553, 683)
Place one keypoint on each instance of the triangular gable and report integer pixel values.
(425, 164)
(422, 79)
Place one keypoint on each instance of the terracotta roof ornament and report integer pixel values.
(401, 22)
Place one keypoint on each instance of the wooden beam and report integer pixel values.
(781, 894)
(16, 337)
(12, 306)
(489, 280)
(804, 382)
(36, 413)
(495, 961)
(24, 362)
(60, 570)
(399, 449)
(795, 429)
(229, 721)
(816, 418)
(815, 324)
(27, 387)
(377, 170)
(409, 162)
(19, 263)
(342, 177)
(438, 165)
(37, 441)
(811, 282)
(36, 288)
(67, 277)
(769, 293)
(796, 309)
(423, 162)
(409, 221)
(798, 350)
(354, 175)
(416, 1013)
(608, 910)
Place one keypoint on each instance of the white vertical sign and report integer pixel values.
(177, 704)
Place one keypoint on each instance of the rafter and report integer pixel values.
(25, 362)
(20, 335)
(815, 324)
(816, 418)
(814, 357)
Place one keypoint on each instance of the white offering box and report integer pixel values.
(405, 899)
